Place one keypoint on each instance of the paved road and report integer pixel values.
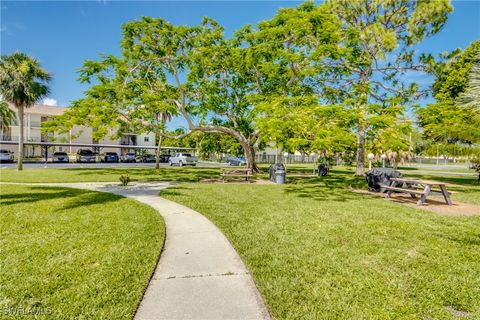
(98, 165)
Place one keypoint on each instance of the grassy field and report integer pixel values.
(319, 252)
(466, 188)
(186, 174)
(75, 254)
(316, 250)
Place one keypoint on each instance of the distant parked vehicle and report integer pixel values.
(164, 158)
(183, 159)
(60, 157)
(129, 157)
(109, 157)
(6, 156)
(86, 155)
(236, 161)
(149, 158)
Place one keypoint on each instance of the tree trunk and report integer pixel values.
(20, 138)
(249, 152)
(159, 147)
(360, 171)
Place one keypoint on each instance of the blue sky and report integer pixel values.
(62, 34)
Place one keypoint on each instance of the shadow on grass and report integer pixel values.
(73, 198)
(173, 191)
(150, 174)
(331, 188)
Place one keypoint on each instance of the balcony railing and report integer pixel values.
(31, 139)
(8, 138)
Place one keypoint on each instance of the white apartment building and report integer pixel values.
(37, 114)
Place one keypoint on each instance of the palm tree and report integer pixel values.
(162, 118)
(471, 97)
(23, 82)
(7, 115)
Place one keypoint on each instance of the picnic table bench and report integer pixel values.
(243, 173)
(417, 187)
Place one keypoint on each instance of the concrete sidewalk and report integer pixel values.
(199, 275)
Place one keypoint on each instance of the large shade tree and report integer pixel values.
(23, 82)
(191, 72)
(365, 65)
(379, 38)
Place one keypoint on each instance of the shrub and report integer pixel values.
(475, 165)
(124, 179)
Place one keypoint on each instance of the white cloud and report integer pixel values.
(49, 102)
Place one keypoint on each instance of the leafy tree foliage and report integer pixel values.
(179, 70)
(349, 52)
(313, 78)
(7, 115)
(470, 98)
(455, 117)
(23, 82)
(209, 145)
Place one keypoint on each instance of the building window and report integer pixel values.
(145, 139)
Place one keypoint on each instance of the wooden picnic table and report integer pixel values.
(236, 173)
(416, 187)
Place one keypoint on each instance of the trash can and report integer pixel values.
(277, 173)
(322, 169)
(280, 176)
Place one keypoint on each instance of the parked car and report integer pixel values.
(164, 158)
(60, 157)
(182, 159)
(236, 161)
(149, 158)
(6, 156)
(129, 157)
(86, 155)
(109, 157)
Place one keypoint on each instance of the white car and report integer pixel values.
(60, 157)
(182, 159)
(86, 155)
(6, 156)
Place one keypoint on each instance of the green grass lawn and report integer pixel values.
(319, 252)
(75, 254)
(186, 174)
(316, 250)
(467, 188)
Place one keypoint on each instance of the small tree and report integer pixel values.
(23, 82)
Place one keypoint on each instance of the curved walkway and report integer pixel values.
(199, 274)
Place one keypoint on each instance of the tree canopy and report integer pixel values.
(449, 120)
(315, 78)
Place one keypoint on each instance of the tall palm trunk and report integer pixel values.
(159, 147)
(20, 138)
